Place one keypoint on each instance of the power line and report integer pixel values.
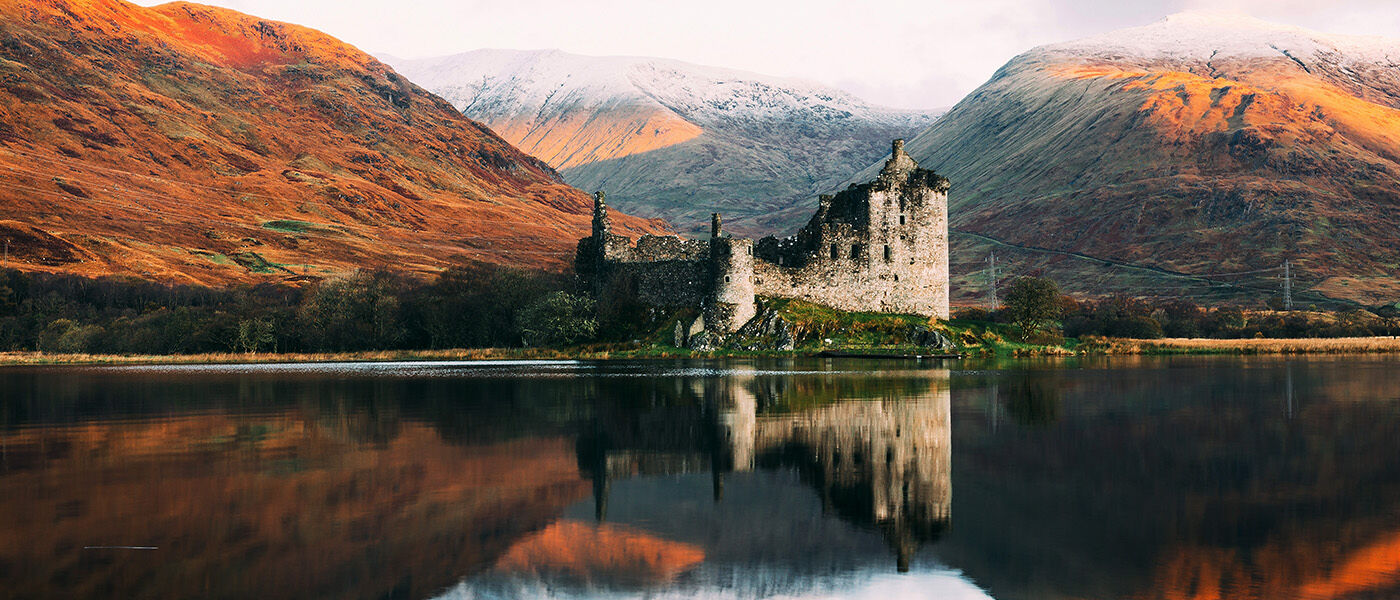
(992, 280)
(1287, 286)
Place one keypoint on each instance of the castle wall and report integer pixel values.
(881, 247)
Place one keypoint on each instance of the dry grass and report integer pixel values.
(1356, 345)
(41, 358)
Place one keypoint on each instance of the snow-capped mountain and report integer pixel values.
(1203, 143)
(672, 139)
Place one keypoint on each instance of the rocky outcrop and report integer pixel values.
(768, 330)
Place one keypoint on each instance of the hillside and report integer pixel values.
(195, 144)
(1202, 144)
(671, 139)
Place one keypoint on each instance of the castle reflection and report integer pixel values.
(879, 459)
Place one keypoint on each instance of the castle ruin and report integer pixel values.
(880, 246)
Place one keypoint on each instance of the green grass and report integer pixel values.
(291, 226)
(214, 257)
(816, 328)
(813, 325)
(256, 263)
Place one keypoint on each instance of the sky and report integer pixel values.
(902, 53)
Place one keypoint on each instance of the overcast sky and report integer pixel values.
(914, 54)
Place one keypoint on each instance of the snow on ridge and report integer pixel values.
(520, 81)
(1205, 35)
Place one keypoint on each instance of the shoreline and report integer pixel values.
(1087, 347)
(1249, 346)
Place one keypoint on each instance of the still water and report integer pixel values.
(1127, 478)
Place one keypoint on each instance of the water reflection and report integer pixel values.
(882, 462)
(1144, 479)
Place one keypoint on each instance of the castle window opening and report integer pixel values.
(888, 255)
(855, 250)
(726, 279)
(834, 252)
(896, 276)
(901, 219)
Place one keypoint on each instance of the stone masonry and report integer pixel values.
(880, 246)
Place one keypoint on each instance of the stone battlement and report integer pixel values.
(880, 246)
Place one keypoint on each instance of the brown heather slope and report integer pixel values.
(196, 144)
(1202, 144)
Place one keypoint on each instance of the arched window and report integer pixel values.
(888, 254)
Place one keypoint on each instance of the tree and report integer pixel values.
(475, 305)
(255, 334)
(359, 312)
(559, 319)
(1033, 303)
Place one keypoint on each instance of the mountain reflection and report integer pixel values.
(1140, 479)
(295, 484)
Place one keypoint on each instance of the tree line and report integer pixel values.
(478, 305)
(466, 306)
(1036, 307)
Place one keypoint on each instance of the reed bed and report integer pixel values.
(1352, 345)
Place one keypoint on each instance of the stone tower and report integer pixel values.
(731, 301)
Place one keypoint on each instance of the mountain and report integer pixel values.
(670, 139)
(200, 145)
(1164, 159)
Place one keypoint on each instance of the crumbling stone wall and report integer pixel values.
(880, 246)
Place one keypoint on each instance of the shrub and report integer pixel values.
(558, 319)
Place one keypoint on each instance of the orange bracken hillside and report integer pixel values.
(200, 145)
(1203, 144)
(593, 552)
